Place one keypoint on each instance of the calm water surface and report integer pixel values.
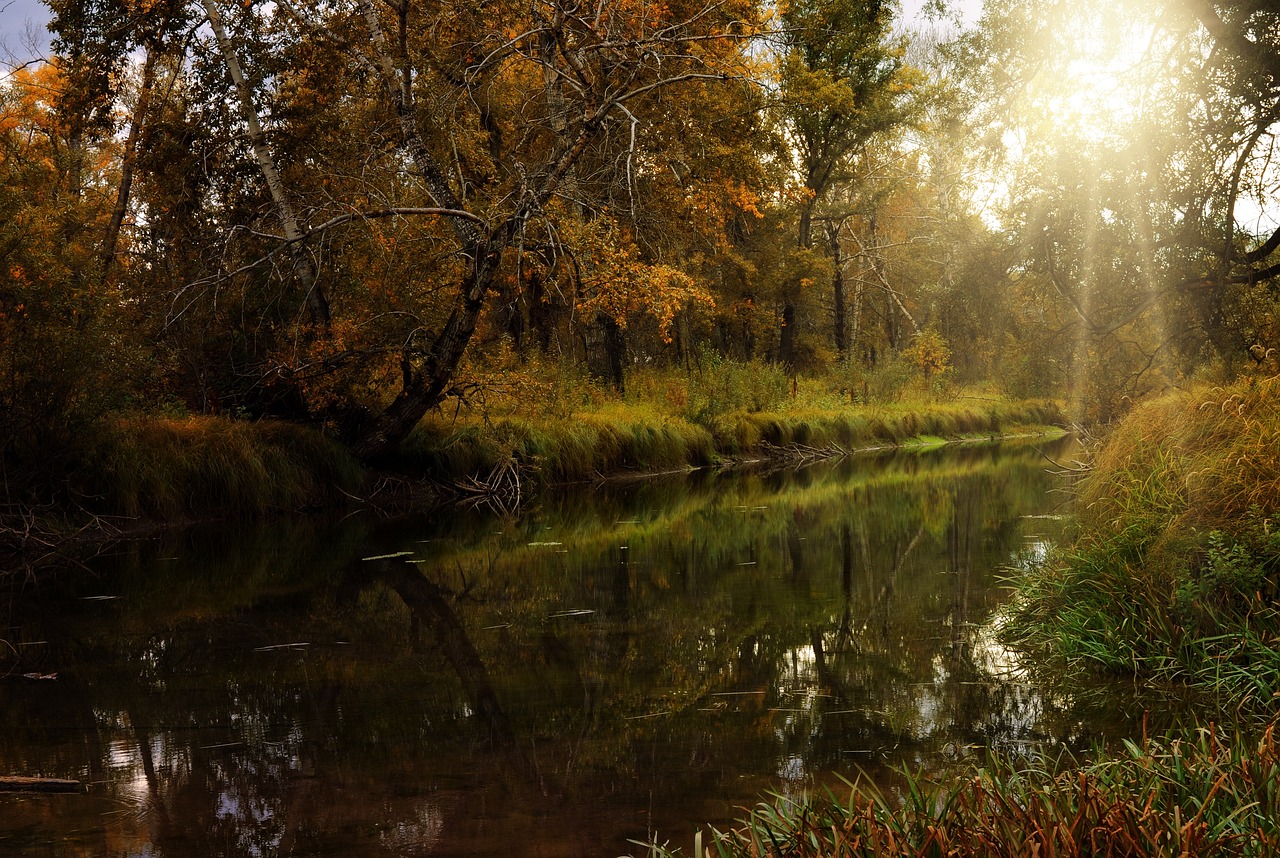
(611, 664)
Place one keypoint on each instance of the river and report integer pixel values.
(611, 664)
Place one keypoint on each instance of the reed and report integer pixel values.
(179, 468)
(1197, 794)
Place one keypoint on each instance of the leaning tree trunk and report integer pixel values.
(426, 380)
(425, 385)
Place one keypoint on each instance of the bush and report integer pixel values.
(722, 385)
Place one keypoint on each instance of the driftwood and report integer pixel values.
(20, 784)
(502, 491)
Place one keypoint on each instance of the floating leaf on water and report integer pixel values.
(388, 556)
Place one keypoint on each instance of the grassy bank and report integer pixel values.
(536, 426)
(1196, 795)
(175, 469)
(640, 437)
(1175, 577)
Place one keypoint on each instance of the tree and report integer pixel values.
(1143, 136)
(409, 163)
(841, 83)
(65, 347)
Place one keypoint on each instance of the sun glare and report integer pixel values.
(1094, 84)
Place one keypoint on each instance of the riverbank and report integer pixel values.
(142, 472)
(1173, 582)
(1175, 577)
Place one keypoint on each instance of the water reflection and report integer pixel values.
(612, 662)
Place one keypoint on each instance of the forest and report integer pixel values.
(353, 215)
(264, 257)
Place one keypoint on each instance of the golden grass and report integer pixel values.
(178, 468)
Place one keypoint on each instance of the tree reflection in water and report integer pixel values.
(612, 662)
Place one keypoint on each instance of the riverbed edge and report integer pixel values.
(142, 475)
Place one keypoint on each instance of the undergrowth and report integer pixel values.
(172, 469)
(1201, 795)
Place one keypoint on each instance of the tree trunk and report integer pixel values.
(787, 336)
(841, 322)
(127, 164)
(425, 386)
(615, 349)
(317, 305)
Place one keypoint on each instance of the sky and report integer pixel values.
(20, 19)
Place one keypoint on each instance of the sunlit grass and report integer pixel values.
(640, 437)
(571, 429)
(1176, 575)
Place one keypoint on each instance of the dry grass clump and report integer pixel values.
(1191, 461)
(178, 468)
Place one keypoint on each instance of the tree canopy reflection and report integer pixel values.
(611, 662)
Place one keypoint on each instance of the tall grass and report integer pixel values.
(1181, 796)
(589, 445)
(1176, 574)
(172, 469)
(855, 426)
(626, 436)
